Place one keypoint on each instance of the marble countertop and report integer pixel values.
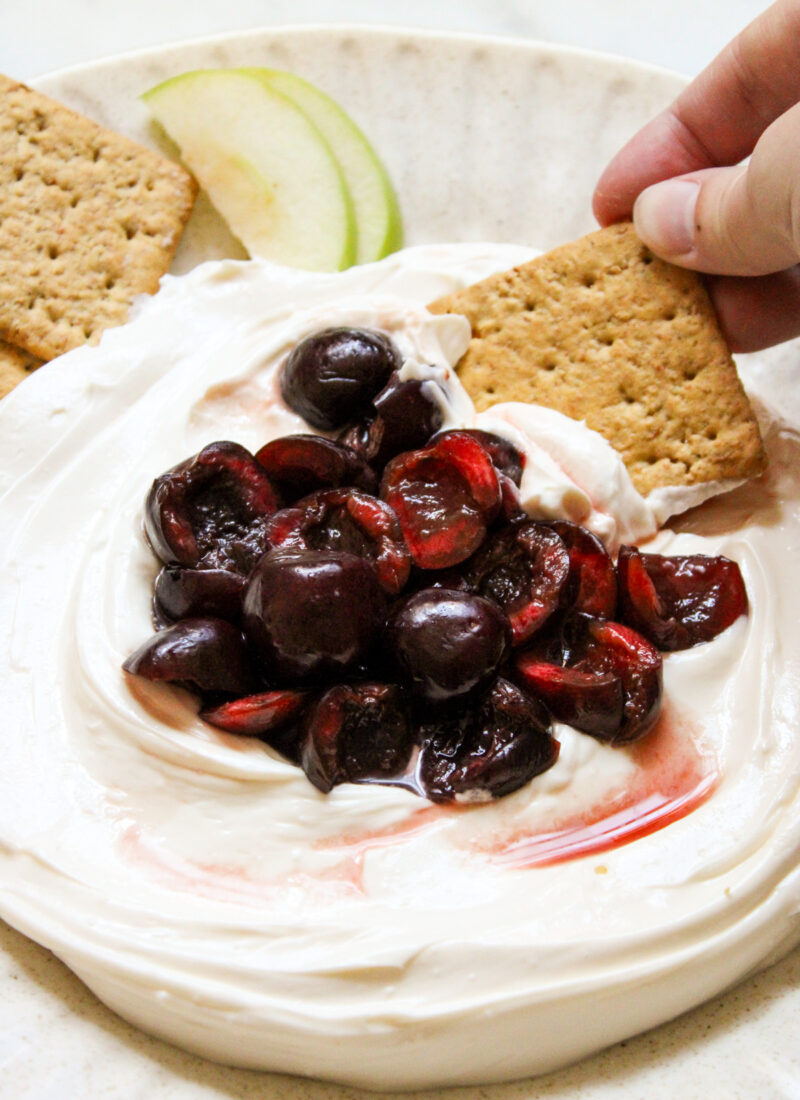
(44, 35)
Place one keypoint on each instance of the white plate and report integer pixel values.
(485, 139)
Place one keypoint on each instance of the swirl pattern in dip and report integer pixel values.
(207, 892)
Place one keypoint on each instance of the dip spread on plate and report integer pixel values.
(207, 892)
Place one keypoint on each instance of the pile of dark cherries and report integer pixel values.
(379, 608)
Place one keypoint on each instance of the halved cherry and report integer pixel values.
(589, 701)
(182, 593)
(301, 464)
(211, 510)
(357, 732)
(272, 716)
(444, 496)
(207, 654)
(679, 602)
(592, 584)
(581, 688)
(489, 749)
(259, 714)
(511, 509)
(406, 418)
(523, 568)
(345, 519)
(505, 456)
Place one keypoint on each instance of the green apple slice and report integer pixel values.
(377, 212)
(266, 167)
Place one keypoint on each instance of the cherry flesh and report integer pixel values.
(600, 652)
(523, 568)
(211, 510)
(345, 519)
(300, 464)
(346, 684)
(488, 749)
(592, 702)
(272, 716)
(592, 582)
(445, 496)
(506, 457)
(357, 732)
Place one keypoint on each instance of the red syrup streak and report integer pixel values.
(233, 884)
(672, 777)
(415, 823)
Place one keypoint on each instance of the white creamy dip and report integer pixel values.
(206, 891)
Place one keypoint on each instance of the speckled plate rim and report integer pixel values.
(743, 1043)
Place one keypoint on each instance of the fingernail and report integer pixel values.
(664, 216)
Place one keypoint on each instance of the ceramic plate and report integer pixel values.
(485, 140)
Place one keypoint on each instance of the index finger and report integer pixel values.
(717, 119)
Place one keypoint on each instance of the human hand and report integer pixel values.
(714, 214)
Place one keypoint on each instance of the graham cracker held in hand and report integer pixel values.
(88, 220)
(603, 331)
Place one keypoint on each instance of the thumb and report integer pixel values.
(731, 221)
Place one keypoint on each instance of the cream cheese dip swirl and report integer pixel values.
(206, 891)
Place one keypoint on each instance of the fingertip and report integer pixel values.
(604, 208)
(612, 201)
(664, 217)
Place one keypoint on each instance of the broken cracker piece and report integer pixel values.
(604, 331)
(88, 220)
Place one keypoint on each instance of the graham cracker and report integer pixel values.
(88, 220)
(605, 332)
(15, 365)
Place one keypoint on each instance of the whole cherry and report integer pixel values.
(447, 644)
(312, 614)
(331, 377)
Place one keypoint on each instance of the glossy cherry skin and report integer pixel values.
(331, 377)
(524, 568)
(599, 676)
(406, 418)
(182, 593)
(590, 701)
(345, 519)
(312, 614)
(209, 655)
(679, 602)
(357, 732)
(301, 464)
(210, 510)
(447, 644)
(591, 587)
(486, 750)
